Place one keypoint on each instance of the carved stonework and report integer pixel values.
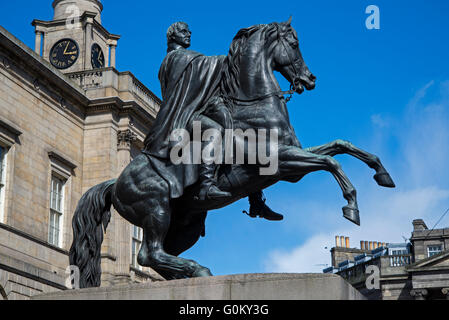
(36, 84)
(5, 62)
(419, 294)
(62, 103)
(125, 138)
(88, 79)
(445, 291)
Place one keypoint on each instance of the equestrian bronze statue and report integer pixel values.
(237, 93)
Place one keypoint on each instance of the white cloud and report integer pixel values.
(304, 259)
(380, 121)
(421, 175)
(386, 220)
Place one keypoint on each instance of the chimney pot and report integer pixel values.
(347, 242)
(371, 245)
(362, 245)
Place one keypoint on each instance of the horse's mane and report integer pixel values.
(231, 80)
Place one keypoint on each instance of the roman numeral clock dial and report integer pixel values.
(97, 57)
(64, 53)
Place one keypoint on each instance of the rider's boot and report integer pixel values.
(258, 208)
(209, 189)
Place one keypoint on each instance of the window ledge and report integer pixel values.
(32, 238)
(54, 155)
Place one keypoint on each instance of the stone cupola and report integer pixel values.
(64, 8)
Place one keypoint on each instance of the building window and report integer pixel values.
(399, 252)
(433, 250)
(56, 211)
(3, 152)
(135, 246)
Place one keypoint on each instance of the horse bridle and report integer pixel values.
(278, 93)
(292, 63)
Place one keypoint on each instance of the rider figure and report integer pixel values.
(178, 40)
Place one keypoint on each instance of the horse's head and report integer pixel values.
(288, 59)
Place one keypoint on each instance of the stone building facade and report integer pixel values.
(64, 129)
(417, 270)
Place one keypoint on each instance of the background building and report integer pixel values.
(68, 121)
(418, 269)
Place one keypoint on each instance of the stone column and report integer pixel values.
(106, 58)
(123, 228)
(113, 47)
(419, 294)
(445, 291)
(38, 42)
(88, 47)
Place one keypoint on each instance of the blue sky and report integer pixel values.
(386, 90)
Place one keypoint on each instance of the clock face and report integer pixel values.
(64, 54)
(97, 57)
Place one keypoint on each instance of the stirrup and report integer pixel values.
(219, 194)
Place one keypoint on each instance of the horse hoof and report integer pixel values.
(384, 179)
(352, 214)
(202, 272)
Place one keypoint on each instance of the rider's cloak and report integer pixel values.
(188, 81)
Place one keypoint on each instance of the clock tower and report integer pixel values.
(75, 40)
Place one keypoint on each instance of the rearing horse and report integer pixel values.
(255, 100)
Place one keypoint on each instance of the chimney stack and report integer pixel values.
(419, 225)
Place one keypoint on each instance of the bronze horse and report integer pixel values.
(255, 100)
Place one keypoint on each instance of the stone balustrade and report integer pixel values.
(107, 82)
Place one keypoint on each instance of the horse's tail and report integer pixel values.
(92, 212)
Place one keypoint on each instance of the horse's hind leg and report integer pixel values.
(333, 148)
(183, 233)
(152, 253)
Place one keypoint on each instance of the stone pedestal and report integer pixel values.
(271, 286)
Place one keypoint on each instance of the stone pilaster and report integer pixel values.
(38, 42)
(125, 139)
(113, 47)
(106, 62)
(87, 56)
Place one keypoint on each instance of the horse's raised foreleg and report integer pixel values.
(299, 162)
(333, 148)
